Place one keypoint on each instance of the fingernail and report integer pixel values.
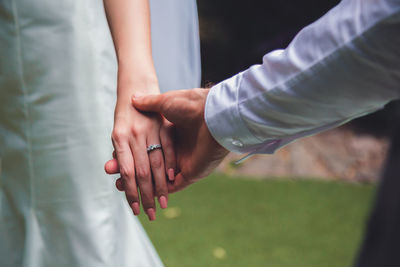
(163, 202)
(119, 185)
(151, 213)
(135, 208)
(171, 174)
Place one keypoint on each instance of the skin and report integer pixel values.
(197, 152)
(134, 131)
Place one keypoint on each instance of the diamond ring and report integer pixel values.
(153, 147)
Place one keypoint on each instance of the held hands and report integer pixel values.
(133, 132)
(197, 153)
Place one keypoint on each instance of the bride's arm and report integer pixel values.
(129, 22)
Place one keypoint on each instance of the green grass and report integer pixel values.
(262, 223)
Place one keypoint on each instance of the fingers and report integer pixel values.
(151, 103)
(177, 106)
(158, 170)
(111, 166)
(179, 183)
(127, 171)
(167, 137)
(119, 184)
(143, 176)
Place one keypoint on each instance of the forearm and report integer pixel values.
(129, 22)
(341, 67)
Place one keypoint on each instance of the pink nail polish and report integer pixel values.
(151, 213)
(135, 208)
(163, 202)
(171, 174)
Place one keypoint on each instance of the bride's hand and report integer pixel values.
(133, 132)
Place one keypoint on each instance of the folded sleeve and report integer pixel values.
(345, 65)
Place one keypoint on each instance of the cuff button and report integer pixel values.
(236, 142)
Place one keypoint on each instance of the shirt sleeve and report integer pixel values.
(343, 66)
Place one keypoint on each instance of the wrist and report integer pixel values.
(129, 86)
(137, 80)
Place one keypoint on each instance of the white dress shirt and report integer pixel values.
(344, 65)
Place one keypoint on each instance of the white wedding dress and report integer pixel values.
(57, 84)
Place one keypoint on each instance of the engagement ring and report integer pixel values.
(153, 147)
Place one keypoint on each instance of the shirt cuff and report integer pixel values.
(224, 121)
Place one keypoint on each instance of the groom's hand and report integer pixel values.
(197, 151)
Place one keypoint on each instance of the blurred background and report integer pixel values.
(304, 206)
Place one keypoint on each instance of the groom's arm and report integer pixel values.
(341, 67)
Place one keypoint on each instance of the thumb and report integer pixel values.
(150, 103)
(156, 103)
(111, 167)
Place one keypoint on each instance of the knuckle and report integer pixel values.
(165, 102)
(119, 135)
(126, 172)
(137, 130)
(143, 173)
